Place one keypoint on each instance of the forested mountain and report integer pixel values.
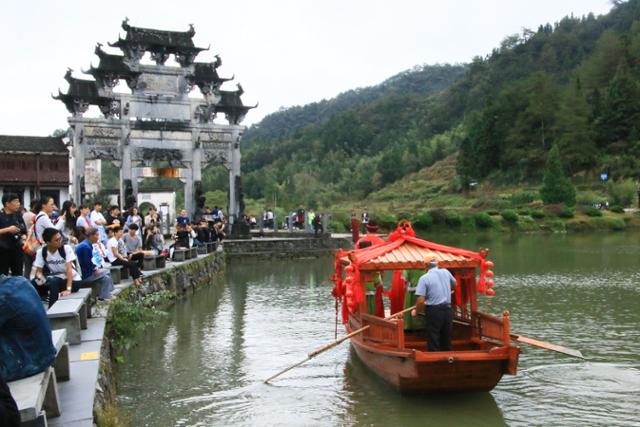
(420, 80)
(574, 84)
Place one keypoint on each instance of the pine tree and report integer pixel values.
(466, 163)
(556, 187)
(575, 141)
(620, 109)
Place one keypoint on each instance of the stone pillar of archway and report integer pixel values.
(78, 153)
(126, 173)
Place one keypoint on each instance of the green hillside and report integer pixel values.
(421, 80)
(574, 84)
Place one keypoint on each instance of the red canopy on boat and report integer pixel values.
(410, 253)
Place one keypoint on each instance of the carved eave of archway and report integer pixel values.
(160, 43)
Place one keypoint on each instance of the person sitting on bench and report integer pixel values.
(25, 334)
(55, 267)
(181, 237)
(133, 244)
(117, 255)
(90, 270)
(153, 240)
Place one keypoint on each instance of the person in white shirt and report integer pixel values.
(83, 223)
(55, 267)
(42, 220)
(44, 208)
(99, 221)
(117, 255)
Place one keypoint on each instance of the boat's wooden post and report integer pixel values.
(363, 293)
(400, 329)
(473, 299)
(506, 328)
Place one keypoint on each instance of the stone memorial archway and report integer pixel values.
(157, 123)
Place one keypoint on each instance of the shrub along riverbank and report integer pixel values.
(552, 218)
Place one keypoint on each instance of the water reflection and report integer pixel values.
(204, 364)
(373, 400)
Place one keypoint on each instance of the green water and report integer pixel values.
(204, 364)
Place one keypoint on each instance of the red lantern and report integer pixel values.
(489, 283)
(488, 273)
(488, 264)
(490, 292)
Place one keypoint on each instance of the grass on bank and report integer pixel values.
(432, 200)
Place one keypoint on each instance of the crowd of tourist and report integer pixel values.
(46, 253)
(54, 248)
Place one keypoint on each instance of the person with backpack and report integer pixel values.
(44, 208)
(43, 221)
(55, 267)
(12, 230)
(316, 223)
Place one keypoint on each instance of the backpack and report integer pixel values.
(32, 244)
(45, 268)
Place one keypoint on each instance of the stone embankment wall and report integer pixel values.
(180, 280)
(283, 247)
(175, 282)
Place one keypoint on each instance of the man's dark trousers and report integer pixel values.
(11, 259)
(438, 327)
(53, 287)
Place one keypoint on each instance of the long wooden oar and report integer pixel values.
(331, 345)
(548, 346)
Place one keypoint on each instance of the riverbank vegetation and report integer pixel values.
(132, 312)
(492, 124)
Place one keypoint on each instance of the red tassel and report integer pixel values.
(397, 292)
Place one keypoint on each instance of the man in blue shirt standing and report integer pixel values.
(434, 292)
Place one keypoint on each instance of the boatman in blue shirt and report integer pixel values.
(434, 292)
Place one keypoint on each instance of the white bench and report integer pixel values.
(116, 273)
(149, 263)
(61, 365)
(34, 393)
(67, 314)
(85, 295)
(180, 255)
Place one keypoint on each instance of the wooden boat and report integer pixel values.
(482, 349)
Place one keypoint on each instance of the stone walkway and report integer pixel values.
(77, 394)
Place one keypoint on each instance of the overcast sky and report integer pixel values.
(284, 53)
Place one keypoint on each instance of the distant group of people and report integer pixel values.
(210, 228)
(306, 220)
(299, 219)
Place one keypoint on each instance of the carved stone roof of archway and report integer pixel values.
(154, 40)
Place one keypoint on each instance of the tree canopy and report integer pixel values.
(573, 85)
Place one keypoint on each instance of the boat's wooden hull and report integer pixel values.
(475, 364)
(454, 372)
